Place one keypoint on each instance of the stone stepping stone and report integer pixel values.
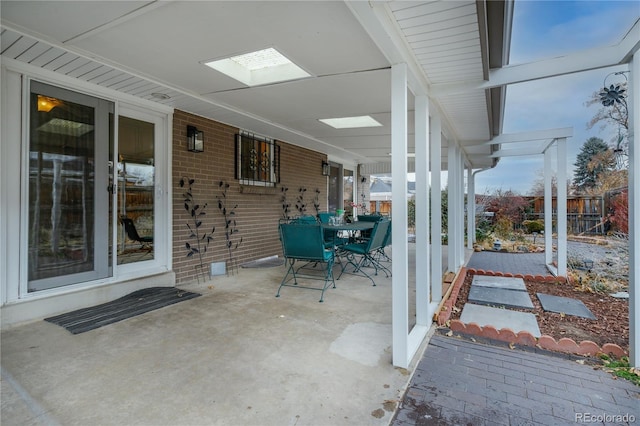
(500, 318)
(564, 305)
(499, 297)
(507, 283)
(620, 295)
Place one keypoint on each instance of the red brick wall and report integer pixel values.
(257, 214)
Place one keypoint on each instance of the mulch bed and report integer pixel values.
(611, 325)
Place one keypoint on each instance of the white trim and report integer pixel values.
(634, 212)
(10, 190)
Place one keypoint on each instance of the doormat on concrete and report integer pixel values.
(131, 305)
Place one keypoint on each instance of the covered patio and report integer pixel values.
(235, 355)
(432, 74)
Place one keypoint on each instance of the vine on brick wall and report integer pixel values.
(230, 226)
(200, 240)
(286, 206)
(316, 202)
(301, 206)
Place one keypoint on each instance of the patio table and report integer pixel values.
(353, 226)
(350, 228)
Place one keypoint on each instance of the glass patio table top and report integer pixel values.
(353, 226)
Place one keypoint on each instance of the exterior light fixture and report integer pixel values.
(195, 139)
(326, 168)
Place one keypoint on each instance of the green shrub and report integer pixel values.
(503, 227)
(483, 230)
(533, 225)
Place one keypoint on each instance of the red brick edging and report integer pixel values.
(523, 338)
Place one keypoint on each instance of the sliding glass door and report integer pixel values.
(68, 225)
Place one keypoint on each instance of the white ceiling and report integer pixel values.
(144, 47)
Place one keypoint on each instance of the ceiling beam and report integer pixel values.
(563, 132)
(603, 57)
(516, 152)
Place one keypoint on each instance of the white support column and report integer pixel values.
(634, 211)
(399, 266)
(562, 206)
(423, 281)
(436, 209)
(453, 211)
(471, 208)
(451, 189)
(461, 168)
(548, 212)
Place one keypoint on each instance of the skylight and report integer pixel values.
(61, 126)
(260, 67)
(351, 122)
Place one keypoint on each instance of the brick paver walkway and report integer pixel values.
(459, 382)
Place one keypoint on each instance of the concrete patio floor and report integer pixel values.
(235, 356)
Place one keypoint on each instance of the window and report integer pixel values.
(257, 160)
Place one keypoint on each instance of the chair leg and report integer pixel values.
(357, 267)
(377, 265)
(290, 270)
(329, 274)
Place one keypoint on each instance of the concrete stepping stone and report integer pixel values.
(499, 297)
(507, 283)
(500, 318)
(564, 305)
(620, 295)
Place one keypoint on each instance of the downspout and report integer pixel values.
(472, 205)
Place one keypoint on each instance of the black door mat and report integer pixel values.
(131, 305)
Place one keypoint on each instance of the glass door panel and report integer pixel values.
(335, 196)
(68, 148)
(135, 190)
(347, 193)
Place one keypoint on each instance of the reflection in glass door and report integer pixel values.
(135, 190)
(68, 174)
(347, 193)
(334, 197)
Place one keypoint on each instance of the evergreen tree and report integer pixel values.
(590, 163)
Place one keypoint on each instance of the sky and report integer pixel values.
(547, 29)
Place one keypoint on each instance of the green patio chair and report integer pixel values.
(364, 235)
(324, 217)
(366, 251)
(380, 254)
(305, 243)
(370, 217)
(305, 220)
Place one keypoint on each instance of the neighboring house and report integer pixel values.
(380, 195)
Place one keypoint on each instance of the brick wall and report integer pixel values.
(257, 214)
